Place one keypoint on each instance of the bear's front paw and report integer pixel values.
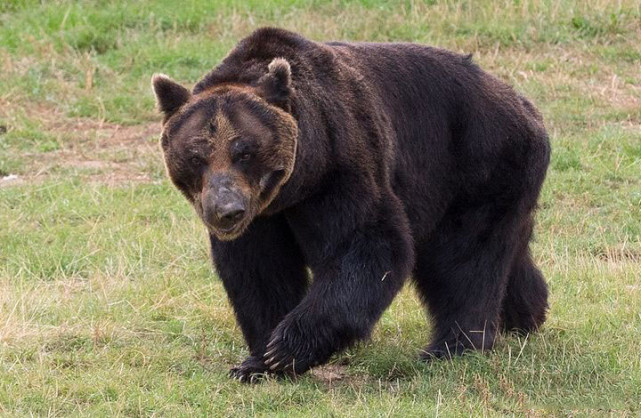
(292, 351)
(252, 370)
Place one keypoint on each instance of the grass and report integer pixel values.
(108, 303)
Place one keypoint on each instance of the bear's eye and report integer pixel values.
(242, 151)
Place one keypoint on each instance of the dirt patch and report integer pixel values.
(94, 150)
(329, 373)
(104, 134)
(108, 153)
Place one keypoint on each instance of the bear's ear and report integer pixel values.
(169, 94)
(276, 85)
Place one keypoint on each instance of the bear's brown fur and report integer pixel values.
(364, 163)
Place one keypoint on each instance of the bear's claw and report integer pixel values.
(287, 352)
(252, 370)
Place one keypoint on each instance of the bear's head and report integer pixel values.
(230, 148)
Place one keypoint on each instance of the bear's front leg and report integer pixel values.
(349, 293)
(265, 277)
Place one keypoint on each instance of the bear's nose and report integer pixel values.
(230, 212)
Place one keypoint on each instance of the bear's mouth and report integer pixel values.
(229, 233)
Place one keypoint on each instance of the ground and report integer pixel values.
(108, 302)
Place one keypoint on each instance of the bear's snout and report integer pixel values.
(224, 206)
(229, 212)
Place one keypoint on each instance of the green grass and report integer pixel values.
(108, 302)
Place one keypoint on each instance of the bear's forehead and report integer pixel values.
(221, 119)
(190, 125)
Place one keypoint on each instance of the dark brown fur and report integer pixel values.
(370, 163)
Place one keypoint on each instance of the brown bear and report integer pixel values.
(365, 163)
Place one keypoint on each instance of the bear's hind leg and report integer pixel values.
(461, 273)
(525, 303)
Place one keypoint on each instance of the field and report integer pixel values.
(108, 301)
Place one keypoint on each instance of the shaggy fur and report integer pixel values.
(380, 162)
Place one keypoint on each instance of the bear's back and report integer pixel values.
(415, 113)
